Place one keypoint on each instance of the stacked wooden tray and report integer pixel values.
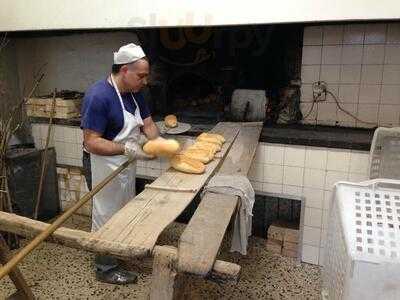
(68, 105)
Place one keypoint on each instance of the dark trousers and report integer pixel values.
(103, 263)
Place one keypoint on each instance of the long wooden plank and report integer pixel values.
(200, 242)
(142, 220)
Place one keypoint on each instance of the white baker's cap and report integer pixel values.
(128, 54)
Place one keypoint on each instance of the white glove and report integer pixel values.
(142, 140)
(135, 151)
(162, 129)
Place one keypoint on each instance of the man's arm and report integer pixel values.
(95, 144)
(150, 129)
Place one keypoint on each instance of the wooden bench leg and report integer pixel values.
(167, 283)
(23, 290)
(164, 274)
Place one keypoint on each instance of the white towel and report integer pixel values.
(236, 185)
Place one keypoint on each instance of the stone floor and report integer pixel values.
(56, 272)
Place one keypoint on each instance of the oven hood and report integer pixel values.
(23, 15)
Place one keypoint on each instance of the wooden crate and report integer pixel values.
(291, 235)
(276, 232)
(290, 246)
(283, 239)
(274, 246)
(65, 109)
(289, 253)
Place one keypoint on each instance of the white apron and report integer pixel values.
(121, 189)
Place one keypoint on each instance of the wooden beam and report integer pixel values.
(23, 290)
(200, 242)
(164, 283)
(65, 236)
(30, 228)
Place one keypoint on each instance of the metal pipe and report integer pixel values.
(58, 222)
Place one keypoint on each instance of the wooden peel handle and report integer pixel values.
(167, 188)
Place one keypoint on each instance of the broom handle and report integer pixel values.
(44, 158)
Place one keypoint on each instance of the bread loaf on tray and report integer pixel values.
(205, 145)
(219, 137)
(202, 155)
(171, 121)
(161, 147)
(182, 163)
(211, 138)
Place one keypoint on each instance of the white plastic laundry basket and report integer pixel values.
(362, 254)
(385, 153)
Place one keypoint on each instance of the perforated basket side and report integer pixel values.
(385, 153)
(336, 258)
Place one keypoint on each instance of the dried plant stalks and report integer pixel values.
(7, 129)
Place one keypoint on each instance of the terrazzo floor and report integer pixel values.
(57, 272)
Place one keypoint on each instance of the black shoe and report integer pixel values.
(117, 276)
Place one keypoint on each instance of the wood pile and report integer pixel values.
(283, 239)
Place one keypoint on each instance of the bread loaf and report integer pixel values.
(171, 121)
(210, 150)
(186, 164)
(202, 155)
(161, 147)
(209, 139)
(206, 145)
(219, 137)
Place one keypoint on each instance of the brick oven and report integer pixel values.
(195, 71)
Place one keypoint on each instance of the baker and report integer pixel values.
(116, 122)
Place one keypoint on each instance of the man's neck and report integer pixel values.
(118, 81)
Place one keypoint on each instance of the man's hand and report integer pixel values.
(150, 129)
(134, 150)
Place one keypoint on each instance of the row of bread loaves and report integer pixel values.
(193, 159)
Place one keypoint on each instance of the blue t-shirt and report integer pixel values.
(102, 112)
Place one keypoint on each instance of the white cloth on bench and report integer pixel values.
(236, 185)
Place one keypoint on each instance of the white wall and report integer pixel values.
(9, 73)
(309, 172)
(71, 61)
(361, 65)
(10, 82)
(82, 14)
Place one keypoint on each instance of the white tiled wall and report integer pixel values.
(67, 141)
(361, 65)
(308, 172)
